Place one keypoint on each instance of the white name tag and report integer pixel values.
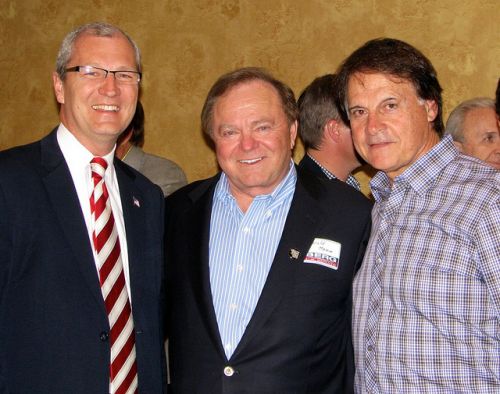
(324, 252)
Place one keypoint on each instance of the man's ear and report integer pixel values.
(58, 87)
(293, 133)
(332, 130)
(431, 108)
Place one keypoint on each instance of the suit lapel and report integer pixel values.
(301, 224)
(64, 199)
(132, 201)
(199, 236)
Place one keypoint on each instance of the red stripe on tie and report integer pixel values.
(121, 357)
(101, 210)
(128, 380)
(110, 262)
(114, 293)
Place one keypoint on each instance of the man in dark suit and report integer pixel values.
(81, 255)
(327, 139)
(261, 257)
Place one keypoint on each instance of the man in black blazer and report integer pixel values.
(327, 139)
(57, 334)
(261, 257)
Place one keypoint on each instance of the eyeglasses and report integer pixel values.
(96, 73)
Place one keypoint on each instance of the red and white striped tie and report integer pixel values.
(123, 367)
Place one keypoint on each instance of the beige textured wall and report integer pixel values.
(187, 44)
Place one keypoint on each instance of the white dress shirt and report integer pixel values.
(78, 160)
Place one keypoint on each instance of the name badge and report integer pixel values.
(324, 252)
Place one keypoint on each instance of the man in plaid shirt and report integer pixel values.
(426, 312)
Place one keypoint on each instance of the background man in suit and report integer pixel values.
(261, 257)
(81, 238)
(327, 139)
(473, 125)
(162, 172)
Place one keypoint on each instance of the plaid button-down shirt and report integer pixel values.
(427, 298)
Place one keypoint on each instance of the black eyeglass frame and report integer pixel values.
(77, 69)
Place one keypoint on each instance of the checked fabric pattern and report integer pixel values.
(123, 367)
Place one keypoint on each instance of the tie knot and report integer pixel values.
(98, 166)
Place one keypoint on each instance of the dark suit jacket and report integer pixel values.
(308, 164)
(299, 334)
(53, 323)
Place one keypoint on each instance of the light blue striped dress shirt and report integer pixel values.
(242, 249)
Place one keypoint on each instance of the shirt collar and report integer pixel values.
(75, 153)
(351, 180)
(421, 174)
(327, 173)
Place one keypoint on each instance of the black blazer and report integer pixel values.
(298, 339)
(53, 323)
(308, 164)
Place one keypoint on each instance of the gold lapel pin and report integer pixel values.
(294, 254)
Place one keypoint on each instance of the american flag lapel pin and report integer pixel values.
(136, 202)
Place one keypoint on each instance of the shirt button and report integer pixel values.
(233, 306)
(239, 267)
(103, 336)
(269, 214)
(228, 371)
(370, 348)
(379, 260)
(246, 230)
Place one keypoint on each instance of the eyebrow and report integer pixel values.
(355, 107)
(381, 102)
(262, 120)
(490, 132)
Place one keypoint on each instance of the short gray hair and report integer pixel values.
(96, 29)
(455, 123)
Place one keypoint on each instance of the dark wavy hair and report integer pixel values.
(397, 58)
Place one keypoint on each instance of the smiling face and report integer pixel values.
(97, 111)
(253, 139)
(481, 136)
(391, 126)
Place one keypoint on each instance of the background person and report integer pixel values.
(473, 125)
(162, 172)
(327, 140)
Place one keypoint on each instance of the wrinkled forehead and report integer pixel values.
(361, 84)
(362, 78)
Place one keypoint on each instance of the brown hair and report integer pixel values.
(239, 76)
(397, 58)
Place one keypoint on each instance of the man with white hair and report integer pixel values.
(474, 127)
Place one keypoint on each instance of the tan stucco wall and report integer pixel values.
(187, 44)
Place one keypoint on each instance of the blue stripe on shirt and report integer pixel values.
(242, 248)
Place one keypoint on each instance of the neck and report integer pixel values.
(122, 150)
(337, 165)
